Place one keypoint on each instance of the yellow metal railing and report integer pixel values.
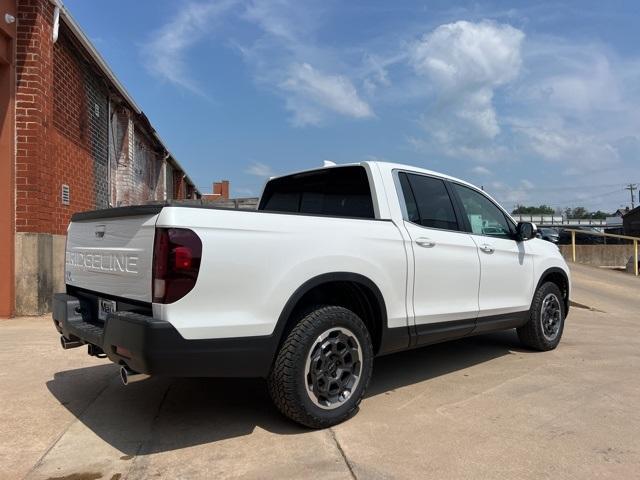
(611, 235)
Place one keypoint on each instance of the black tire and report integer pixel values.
(288, 379)
(537, 332)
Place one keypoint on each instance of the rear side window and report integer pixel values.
(340, 192)
(428, 202)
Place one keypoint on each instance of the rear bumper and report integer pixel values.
(155, 347)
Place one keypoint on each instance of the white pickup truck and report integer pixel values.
(338, 265)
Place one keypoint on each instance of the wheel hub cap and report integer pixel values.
(551, 316)
(333, 368)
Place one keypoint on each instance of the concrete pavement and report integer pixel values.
(475, 408)
(605, 289)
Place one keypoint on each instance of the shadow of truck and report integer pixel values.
(164, 414)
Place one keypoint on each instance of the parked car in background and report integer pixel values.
(337, 266)
(549, 234)
(587, 236)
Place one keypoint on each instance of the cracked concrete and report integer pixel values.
(475, 408)
(341, 450)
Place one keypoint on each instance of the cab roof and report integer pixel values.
(384, 165)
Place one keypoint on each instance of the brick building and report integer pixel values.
(71, 139)
(220, 191)
(219, 197)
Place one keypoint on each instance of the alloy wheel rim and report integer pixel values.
(333, 368)
(551, 316)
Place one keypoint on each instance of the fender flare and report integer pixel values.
(562, 272)
(386, 340)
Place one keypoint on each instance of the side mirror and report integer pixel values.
(526, 231)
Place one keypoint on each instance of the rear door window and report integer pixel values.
(338, 191)
(427, 201)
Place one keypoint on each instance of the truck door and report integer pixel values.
(507, 265)
(446, 262)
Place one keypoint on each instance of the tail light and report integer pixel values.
(176, 262)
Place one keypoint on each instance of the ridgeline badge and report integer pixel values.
(114, 262)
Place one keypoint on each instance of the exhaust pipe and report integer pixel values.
(67, 344)
(130, 376)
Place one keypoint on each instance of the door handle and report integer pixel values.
(486, 248)
(425, 242)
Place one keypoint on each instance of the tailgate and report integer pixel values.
(111, 251)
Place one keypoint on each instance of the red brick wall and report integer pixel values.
(179, 190)
(53, 127)
(148, 170)
(63, 132)
(7, 160)
(33, 114)
(222, 189)
(69, 102)
(70, 130)
(70, 139)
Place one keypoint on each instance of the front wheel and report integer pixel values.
(323, 368)
(546, 319)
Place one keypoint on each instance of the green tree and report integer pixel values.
(599, 215)
(541, 210)
(580, 212)
(583, 213)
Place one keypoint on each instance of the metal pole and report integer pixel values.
(635, 257)
(631, 187)
(573, 245)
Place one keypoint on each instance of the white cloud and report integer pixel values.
(573, 77)
(313, 92)
(465, 62)
(480, 91)
(278, 18)
(570, 105)
(164, 53)
(480, 170)
(447, 137)
(576, 151)
(576, 107)
(259, 169)
(463, 56)
(508, 195)
(313, 79)
(282, 56)
(376, 73)
(526, 184)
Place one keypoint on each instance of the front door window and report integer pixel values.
(485, 218)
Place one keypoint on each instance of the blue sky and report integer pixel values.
(539, 102)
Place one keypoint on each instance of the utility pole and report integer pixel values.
(631, 187)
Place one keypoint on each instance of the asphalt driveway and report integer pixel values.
(475, 408)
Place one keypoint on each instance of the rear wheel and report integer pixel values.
(323, 368)
(546, 323)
